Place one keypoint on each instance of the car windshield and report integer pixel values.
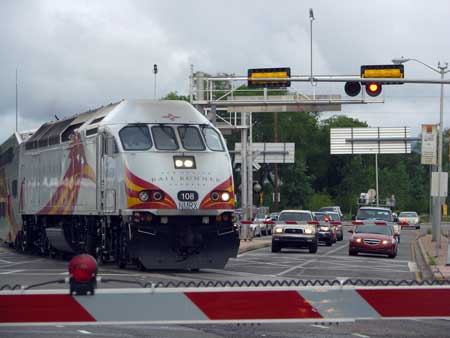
(374, 229)
(333, 216)
(164, 137)
(378, 214)
(295, 216)
(190, 138)
(327, 209)
(408, 214)
(322, 216)
(135, 138)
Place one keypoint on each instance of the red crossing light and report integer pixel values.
(82, 273)
(373, 88)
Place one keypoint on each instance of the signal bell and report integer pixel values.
(373, 89)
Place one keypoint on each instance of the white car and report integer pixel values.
(409, 219)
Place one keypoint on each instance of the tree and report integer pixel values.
(175, 96)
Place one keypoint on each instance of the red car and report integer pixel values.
(373, 239)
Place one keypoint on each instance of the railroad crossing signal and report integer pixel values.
(353, 88)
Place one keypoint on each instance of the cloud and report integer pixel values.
(76, 55)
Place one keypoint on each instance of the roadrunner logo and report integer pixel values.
(65, 198)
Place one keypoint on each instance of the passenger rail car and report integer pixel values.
(138, 181)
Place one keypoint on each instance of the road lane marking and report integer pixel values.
(412, 267)
(360, 335)
(84, 331)
(10, 272)
(5, 261)
(320, 326)
(311, 260)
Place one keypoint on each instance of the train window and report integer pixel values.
(135, 137)
(164, 138)
(70, 131)
(190, 138)
(14, 188)
(97, 120)
(91, 131)
(212, 138)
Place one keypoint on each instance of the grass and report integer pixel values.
(431, 260)
(429, 231)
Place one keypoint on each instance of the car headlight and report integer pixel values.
(325, 228)
(384, 242)
(358, 240)
(278, 230)
(309, 231)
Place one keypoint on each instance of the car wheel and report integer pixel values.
(341, 237)
(417, 227)
(393, 255)
(276, 247)
(313, 248)
(352, 253)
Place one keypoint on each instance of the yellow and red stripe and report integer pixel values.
(134, 184)
(228, 186)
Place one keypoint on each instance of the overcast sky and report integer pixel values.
(77, 55)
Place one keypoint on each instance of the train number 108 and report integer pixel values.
(187, 196)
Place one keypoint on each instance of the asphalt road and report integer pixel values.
(329, 263)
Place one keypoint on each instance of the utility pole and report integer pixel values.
(275, 180)
(17, 103)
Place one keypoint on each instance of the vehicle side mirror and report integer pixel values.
(350, 231)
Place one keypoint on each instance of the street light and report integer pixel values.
(441, 70)
(311, 19)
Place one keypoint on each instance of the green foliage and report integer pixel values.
(429, 231)
(431, 260)
(175, 96)
(320, 200)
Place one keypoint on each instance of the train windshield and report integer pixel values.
(164, 138)
(190, 138)
(135, 138)
(212, 138)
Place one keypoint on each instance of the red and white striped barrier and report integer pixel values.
(224, 305)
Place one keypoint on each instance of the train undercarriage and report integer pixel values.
(145, 240)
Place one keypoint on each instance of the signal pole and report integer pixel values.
(155, 71)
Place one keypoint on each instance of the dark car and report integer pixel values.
(373, 239)
(327, 231)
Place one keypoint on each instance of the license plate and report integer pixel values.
(187, 205)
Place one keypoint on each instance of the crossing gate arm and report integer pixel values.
(224, 305)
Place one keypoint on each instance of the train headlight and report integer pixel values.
(144, 196)
(225, 196)
(188, 163)
(184, 162)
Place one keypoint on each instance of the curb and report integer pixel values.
(425, 257)
(253, 247)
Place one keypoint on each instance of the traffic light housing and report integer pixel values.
(373, 89)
